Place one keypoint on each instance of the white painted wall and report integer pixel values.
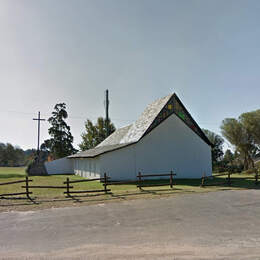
(119, 164)
(59, 166)
(173, 146)
(170, 146)
(87, 167)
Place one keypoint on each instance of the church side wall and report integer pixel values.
(59, 166)
(119, 164)
(173, 146)
(87, 167)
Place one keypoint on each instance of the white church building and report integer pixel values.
(165, 137)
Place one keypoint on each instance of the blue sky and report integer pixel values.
(71, 51)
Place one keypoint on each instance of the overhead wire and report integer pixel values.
(69, 117)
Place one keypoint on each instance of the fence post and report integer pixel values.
(139, 180)
(68, 187)
(229, 182)
(105, 182)
(171, 180)
(202, 180)
(27, 187)
(256, 177)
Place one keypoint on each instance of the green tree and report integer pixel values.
(240, 136)
(95, 134)
(2, 151)
(251, 122)
(217, 149)
(11, 156)
(60, 143)
(228, 157)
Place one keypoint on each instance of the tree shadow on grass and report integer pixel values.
(243, 182)
(237, 182)
(156, 192)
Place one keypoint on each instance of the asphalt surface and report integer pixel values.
(215, 225)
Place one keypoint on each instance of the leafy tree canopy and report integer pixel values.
(60, 143)
(12, 156)
(244, 134)
(251, 122)
(95, 134)
(217, 141)
(229, 156)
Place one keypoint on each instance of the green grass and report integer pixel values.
(12, 172)
(239, 181)
(180, 185)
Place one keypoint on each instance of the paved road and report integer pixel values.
(216, 225)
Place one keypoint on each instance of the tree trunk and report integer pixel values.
(245, 162)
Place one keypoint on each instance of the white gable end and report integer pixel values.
(173, 146)
(140, 126)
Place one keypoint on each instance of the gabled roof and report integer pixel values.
(139, 127)
(152, 116)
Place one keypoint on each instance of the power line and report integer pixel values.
(91, 117)
(70, 117)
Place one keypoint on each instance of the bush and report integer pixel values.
(28, 167)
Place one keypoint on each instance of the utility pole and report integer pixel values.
(39, 119)
(107, 117)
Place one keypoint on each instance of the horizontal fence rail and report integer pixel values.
(47, 187)
(141, 182)
(104, 180)
(255, 177)
(156, 175)
(227, 181)
(85, 191)
(152, 185)
(121, 182)
(15, 194)
(86, 180)
(26, 187)
(14, 182)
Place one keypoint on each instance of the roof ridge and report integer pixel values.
(143, 122)
(146, 122)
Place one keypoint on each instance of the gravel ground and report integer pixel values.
(215, 225)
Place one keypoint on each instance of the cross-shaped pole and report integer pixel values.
(39, 119)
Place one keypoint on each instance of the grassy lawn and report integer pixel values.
(8, 172)
(56, 198)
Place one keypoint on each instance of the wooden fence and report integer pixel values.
(227, 180)
(142, 183)
(27, 193)
(69, 193)
(255, 177)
